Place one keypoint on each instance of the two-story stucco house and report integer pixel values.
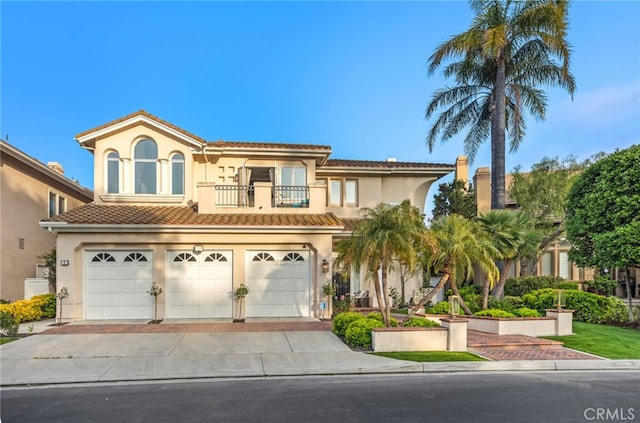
(29, 192)
(199, 218)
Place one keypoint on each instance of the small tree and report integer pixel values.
(329, 290)
(455, 197)
(240, 293)
(61, 295)
(155, 291)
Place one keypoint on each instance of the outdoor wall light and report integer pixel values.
(325, 266)
(198, 248)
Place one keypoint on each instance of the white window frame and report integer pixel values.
(138, 160)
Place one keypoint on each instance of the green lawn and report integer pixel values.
(7, 340)
(430, 356)
(604, 341)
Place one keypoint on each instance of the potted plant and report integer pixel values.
(154, 292)
(240, 292)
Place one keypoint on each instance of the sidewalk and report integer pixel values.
(91, 353)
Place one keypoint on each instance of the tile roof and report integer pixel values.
(146, 114)
(95, 214)
(382, 164)
(349, 223)
(266, 145)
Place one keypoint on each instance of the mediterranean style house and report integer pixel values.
(30, 191)
(201, 217)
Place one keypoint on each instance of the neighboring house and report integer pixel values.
(554, 261)
(199, 218)
(30, 191)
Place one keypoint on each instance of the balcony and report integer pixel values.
(290, 196)
(261, 197)
(235, 196)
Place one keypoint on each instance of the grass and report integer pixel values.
(430, 356)
(7, 340)
(605, 341)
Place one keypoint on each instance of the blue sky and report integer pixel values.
(347, 74)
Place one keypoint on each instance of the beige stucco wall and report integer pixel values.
(24, 201)
(73, 246)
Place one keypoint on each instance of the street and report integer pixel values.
(456, 397)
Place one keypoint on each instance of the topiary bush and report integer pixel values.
(358, 333)
(419, 322)
(490, 312)
(341, 321)
(587, 307)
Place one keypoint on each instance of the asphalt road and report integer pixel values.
(461, 397)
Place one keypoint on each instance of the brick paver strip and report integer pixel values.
(190, 327)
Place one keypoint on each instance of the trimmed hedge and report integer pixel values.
(519, 286)
(491, 312)
(37, 308)
(587, 307)
(342, 321)
(358, 334)
(526, 312)
(441, 308)
(419, 322)
(378, 316)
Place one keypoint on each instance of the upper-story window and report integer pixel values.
(351, 192)
(146, 160)
(57, 204)
(293, 176)
(342, 192)
(113, 172)
(335, 194)
(177, 174)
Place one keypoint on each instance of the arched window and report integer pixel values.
(184, 257)
(145, 156)
(215, 257)
(113, 173)
(103, 257)
(177, 174)
(263, 257)
(135, 257)
(293, 257)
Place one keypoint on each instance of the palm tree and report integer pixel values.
(385, 232)
(457, 250)
(510, 49)
(511, 233)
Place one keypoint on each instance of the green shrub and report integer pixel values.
(8, 323)
(508, 303)
(587, 307)
(378, 316)
(568, 286)
(495, 313)
(47, 304)
(603, 283)
(419, 322)
(520, 286)
(441, 308)
(526, 312)
(358, 333)
(341, 321)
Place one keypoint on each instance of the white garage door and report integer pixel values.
(199, 285)
(116, 285)
(278, 283)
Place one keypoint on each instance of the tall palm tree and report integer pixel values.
(510, 233)
(457, 250)
(511, 48)
(385, 233)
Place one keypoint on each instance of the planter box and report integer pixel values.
(409, 339)
(531, 326)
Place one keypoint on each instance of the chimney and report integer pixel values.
(55, 166)
(392, 160)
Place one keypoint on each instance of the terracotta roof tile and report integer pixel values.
(146, 114)
(383, 164)
(349, 223)
(94, 214)
(266, 145)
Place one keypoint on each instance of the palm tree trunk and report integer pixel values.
(443, 280)
(498, 124)
(465, 307)
(485, 294)
(379, 296)
(387, 301)
(498, 291)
